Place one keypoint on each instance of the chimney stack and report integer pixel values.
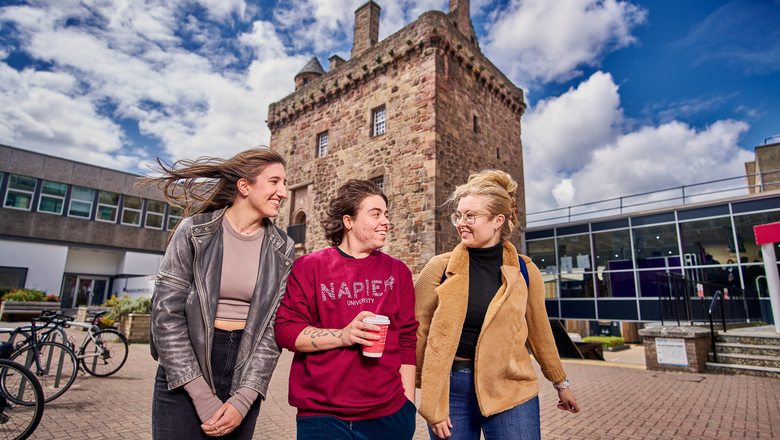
(366, 28)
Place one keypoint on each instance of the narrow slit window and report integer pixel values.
(322, 144)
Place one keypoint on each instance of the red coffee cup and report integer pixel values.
(378, 348)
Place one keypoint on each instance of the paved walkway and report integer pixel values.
(618, 401)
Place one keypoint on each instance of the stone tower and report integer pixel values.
(417, 113)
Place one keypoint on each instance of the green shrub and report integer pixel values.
(6, 289)
(29, 295)
(606, 341)
(125, 305)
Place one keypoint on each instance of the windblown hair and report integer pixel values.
(347, 202)
(207, 184)
(499, 188)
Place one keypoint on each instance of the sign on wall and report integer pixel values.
(671, 352)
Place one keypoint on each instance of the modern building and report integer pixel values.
(78, 231)
(603, 271)
(417, 113)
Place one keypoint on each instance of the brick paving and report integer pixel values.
(618, 401)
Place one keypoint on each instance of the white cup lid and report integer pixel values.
(377, 320)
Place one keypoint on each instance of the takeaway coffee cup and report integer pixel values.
(378, 348)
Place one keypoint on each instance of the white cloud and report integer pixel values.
(542, 41)
(577, 150)
(124, 59)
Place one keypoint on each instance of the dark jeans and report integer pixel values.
(518, 423)
(173, 413)
(397, 426)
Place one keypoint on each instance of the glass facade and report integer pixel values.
(613, 266)
(81, 200)
(52, 197)
(108, 205)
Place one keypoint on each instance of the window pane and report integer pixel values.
(616, 284)
(708, 242)
(550, 286)
(542, 253)
(130, 217)
(749, 251)
(133, 202)
(574, 254)
(656, 246)
(174, 215)
(109, 198)
(155, 206)
(16, 199)
(53, 188)
(22, 183)
(50, 204)
(106, 213)
(613, 250)
(379, 122)
(576, 285)
(79, 209)
(83, 194)
(648, 280)
(154, 220)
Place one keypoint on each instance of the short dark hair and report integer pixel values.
(347, 202)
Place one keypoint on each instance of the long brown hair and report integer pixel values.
(347, 202)
(207, 184)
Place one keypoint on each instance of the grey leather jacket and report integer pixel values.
(184, 305)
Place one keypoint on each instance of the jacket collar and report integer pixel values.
(206, 224)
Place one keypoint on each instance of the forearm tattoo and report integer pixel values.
(318, 332)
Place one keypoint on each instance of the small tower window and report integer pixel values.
(379, 126)
(322, 144)
(380, 182)
(475, 124)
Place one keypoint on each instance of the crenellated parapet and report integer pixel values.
(434, 33)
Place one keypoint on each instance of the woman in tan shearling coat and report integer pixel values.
(476, 316)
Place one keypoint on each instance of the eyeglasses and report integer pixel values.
(469, 218)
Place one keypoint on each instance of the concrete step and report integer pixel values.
(740, 336)
(748, 360)
(749, 349)
(745, 370)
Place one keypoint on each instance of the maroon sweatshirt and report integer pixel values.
(327, 290)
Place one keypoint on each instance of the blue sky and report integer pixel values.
(623, 96)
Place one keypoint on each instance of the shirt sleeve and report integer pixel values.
(294, 314)
(407, 325)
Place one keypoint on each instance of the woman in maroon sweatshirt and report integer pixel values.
(339, 393)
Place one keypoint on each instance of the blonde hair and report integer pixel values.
(499, 188)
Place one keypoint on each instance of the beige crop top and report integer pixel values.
(240, 263)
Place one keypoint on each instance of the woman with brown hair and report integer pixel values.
(478, 306)
(341, 390)
(216, 296)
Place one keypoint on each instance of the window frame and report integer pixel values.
(10, 190)
(320, 145)
(149, 212)
(114, 208)
(51, 196)
(380, 182)
(375, 124)
(125, 209)
(168, 226)
(72, 199)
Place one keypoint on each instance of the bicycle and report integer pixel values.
(21, 398)
(102, 352)
(54, 364)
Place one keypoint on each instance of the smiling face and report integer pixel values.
(483, 232)
(268, 191)
(368, 229)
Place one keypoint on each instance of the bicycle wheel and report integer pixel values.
(56, 369)
(18, 421)
(104, 355)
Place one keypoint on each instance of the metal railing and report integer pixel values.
(718, 295)
(637, 202)
(688, 301)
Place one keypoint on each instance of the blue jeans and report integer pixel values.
(397, 426)
(173, 413)
(518, 423)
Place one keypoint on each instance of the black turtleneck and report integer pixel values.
(484, 281)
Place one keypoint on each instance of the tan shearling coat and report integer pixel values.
(503, 374)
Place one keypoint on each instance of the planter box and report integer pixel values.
(135, 327)
(618, 347)
(25, 310)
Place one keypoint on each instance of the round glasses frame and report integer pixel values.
(469, 218)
